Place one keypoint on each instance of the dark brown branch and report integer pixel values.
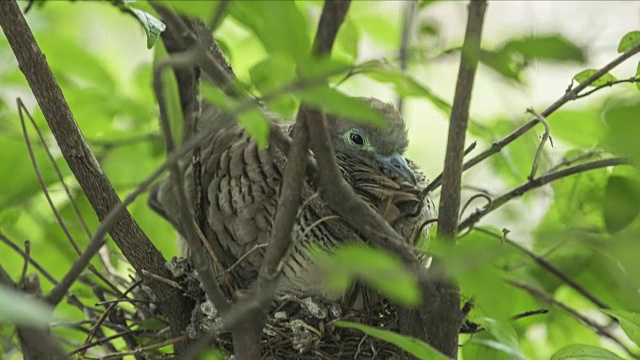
(133, 243)
(452, 175)
(570, 95)
(538, 182)
(599, 329)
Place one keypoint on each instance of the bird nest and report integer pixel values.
(300, 328)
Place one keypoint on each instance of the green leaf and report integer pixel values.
(547, 47)
(415, 347)
(273, 73)
(584, 352)
(172, 97)
(603, 80)
(199, 9)
(348, 40)
(629, 41)
(279, 25)
(630, 323)
(583, 127)
(19, 308)
(152, 26)
(257, 125)
(623, 128)
(375, 267)
(638, 76)
(404, 84)
(501, 62)
(337, 103)
(621, 203)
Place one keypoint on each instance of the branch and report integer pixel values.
(133, 243)
(538, 182)
(409, 16)
(632, 80)
(601, 330)
(549, 267)
(570, 95)
(446, 312)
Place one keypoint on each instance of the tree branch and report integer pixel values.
(538, 182)
(570, 95)
(134, 244)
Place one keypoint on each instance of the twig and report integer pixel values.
(145, 348)
(171, 283)
(81, 351)
(27, 258)
(569, 161)
(205, 272)
(601, 330)
(217, 17)
(548, 267)
(570, 95)
(24, 255)
(540, 181)
(529, 313)
(609, 84)
(472, 198)
(408, 19)
(545, 137)
(43, 186)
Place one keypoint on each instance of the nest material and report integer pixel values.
(300, 328)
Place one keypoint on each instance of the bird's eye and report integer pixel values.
(356, 138)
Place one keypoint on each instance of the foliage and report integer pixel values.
(589, 225)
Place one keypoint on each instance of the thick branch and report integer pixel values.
(450, 198)
(125, 231)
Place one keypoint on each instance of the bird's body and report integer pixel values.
(243, 185)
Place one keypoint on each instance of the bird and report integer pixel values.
(243, 183)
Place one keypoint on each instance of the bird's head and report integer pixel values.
(382, 145)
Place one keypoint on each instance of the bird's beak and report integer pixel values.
(398, 165)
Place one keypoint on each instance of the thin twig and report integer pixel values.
(472, 198)
(601, 330)
(145, 348)
(409, 16)
(27, 258)
(632, 80)
(24, 255)
(548, 267)
(569, 161)
(205, 272)
(541, 181)
(570, 95)
(545, 137)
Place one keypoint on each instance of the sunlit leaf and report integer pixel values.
(415, 347)
(630, 323)
(629, 41)
(499, 341)
(257, 125)
(623, 128)
(337, 103)
(198, 8)
(565, 122)
(348, 40)
(638, 76)
(547, 47)
(621, 203)
(603, 80)
(151, 25)
(501, 62)
(374, 267)
(265, 19)
(19, 308)
(273, 73)
(584, 352)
